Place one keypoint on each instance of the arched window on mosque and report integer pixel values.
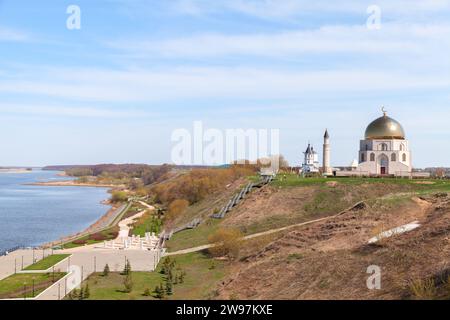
(393, 157)
(367, 147)
(363, 157)
(384, 147)
(402, 147)
(404, 157)
(372, 157)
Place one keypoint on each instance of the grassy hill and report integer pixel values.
(327, 259)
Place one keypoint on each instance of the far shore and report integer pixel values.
(71, 183)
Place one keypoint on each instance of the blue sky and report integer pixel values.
(115, 90)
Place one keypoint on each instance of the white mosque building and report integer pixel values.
(384, 151)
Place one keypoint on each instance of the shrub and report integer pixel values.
(159, 292)
(423, 289)
(197, 184)
(147, 293)
(106, 270)
(127, 268)
(79, 242)
(98, 237)
(176, 209)
(128, 283)
(119, 196)
(226, 243)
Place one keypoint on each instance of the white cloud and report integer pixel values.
(284, 9)
(62, 111)
(10, 35)
(402, 39)
(172, 84)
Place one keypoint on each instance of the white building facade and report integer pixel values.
(385, 150)
(311, 161)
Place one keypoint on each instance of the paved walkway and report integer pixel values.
(260, 234)
(82, 264)
(14, 261)
(127, 224)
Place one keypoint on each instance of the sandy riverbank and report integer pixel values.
(15, 171)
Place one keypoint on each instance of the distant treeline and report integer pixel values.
(147, 173)
(98, 169)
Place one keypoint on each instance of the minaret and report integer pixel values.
(326, 155)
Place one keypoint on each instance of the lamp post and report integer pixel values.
(22, 262)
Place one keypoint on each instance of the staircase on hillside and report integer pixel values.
(237, 198)
(234, 201)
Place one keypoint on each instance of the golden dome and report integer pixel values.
(385, 128)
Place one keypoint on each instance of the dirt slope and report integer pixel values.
(330, 259)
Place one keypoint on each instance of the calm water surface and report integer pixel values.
(32, 215)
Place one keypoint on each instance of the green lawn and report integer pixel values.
(193, 237)
(21, 285)
(149, 222)
(202, 274)
(293, 180)
(47, 262)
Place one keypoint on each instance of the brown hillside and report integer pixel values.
(329, 260)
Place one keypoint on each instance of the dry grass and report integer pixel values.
(423, 289)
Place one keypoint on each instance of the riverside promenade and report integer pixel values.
(81, 263)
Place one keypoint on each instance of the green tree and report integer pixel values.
(81, 294)
(147, 292)
(127, 268)
(87, 292)
(169, 286)
(128, 283)
(106, 270)
(159, 292)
